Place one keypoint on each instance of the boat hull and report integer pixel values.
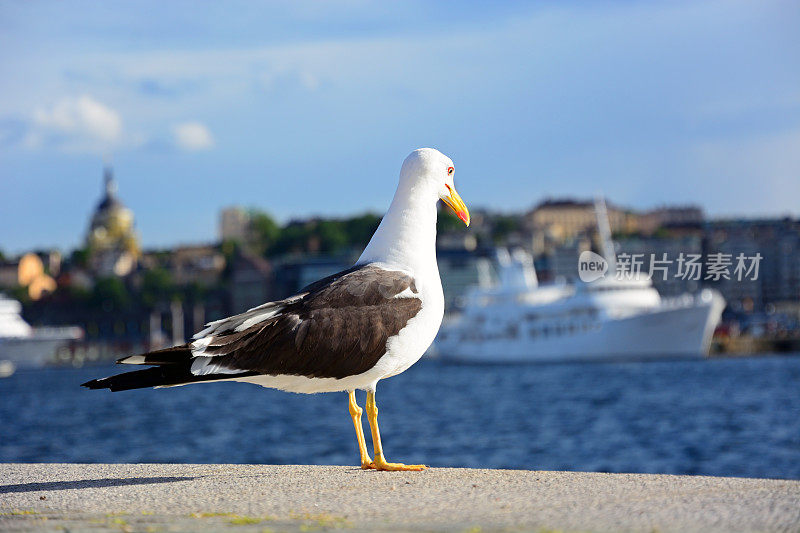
(682, 331)
(39, 349)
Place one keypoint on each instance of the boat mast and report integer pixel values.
(604, 230)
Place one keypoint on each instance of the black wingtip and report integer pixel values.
(157, 376)
(95, 384)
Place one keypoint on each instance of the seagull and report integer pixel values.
(345, 332)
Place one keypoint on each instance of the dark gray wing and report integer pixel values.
(336, 327)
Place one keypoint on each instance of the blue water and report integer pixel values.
(719, 417)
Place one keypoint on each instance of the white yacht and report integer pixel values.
(23, 346)
(519, 320)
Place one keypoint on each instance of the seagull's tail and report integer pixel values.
(173, 368)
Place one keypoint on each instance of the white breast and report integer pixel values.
(410, 344)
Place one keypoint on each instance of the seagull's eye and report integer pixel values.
(450, 171)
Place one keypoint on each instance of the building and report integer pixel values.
(456, 241)
(554, 223)
(201, 265)
(461, 269)
(29, 272)
(777, 241)
(561, 261)
(111, 241)
(666, 253)
(234, 224)
(671, 217)
(291, 275)
(250, 282)
(9, 273)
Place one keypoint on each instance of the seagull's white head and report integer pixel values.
(428, 171)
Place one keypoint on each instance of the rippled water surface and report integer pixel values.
(718, 417)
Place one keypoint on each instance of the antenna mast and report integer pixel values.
(604, 229)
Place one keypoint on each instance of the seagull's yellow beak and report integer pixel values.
(454, 202)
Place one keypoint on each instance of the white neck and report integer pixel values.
(406, 236)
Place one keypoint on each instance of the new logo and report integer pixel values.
(591, 266)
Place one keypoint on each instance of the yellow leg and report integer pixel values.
(355, 412)
(380, 461)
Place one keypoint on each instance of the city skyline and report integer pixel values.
(215, 236)
(202, 108)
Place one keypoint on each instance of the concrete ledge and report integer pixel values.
(170, 497)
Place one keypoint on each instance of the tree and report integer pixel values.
(110, 294)
(359, 229)
(447, 221)
(265, 231)
(292, 239)
(503, 226)
(157, 287)
(331, 234)
(79, 257)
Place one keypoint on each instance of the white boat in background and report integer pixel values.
(519, 320)
(24, 346)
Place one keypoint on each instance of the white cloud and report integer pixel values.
(80, 123)
(192, 136)
(288, 80)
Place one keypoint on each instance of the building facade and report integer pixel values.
(111, 241)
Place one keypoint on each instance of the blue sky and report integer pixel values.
(303, 108)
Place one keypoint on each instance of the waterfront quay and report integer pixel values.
(173, 497)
